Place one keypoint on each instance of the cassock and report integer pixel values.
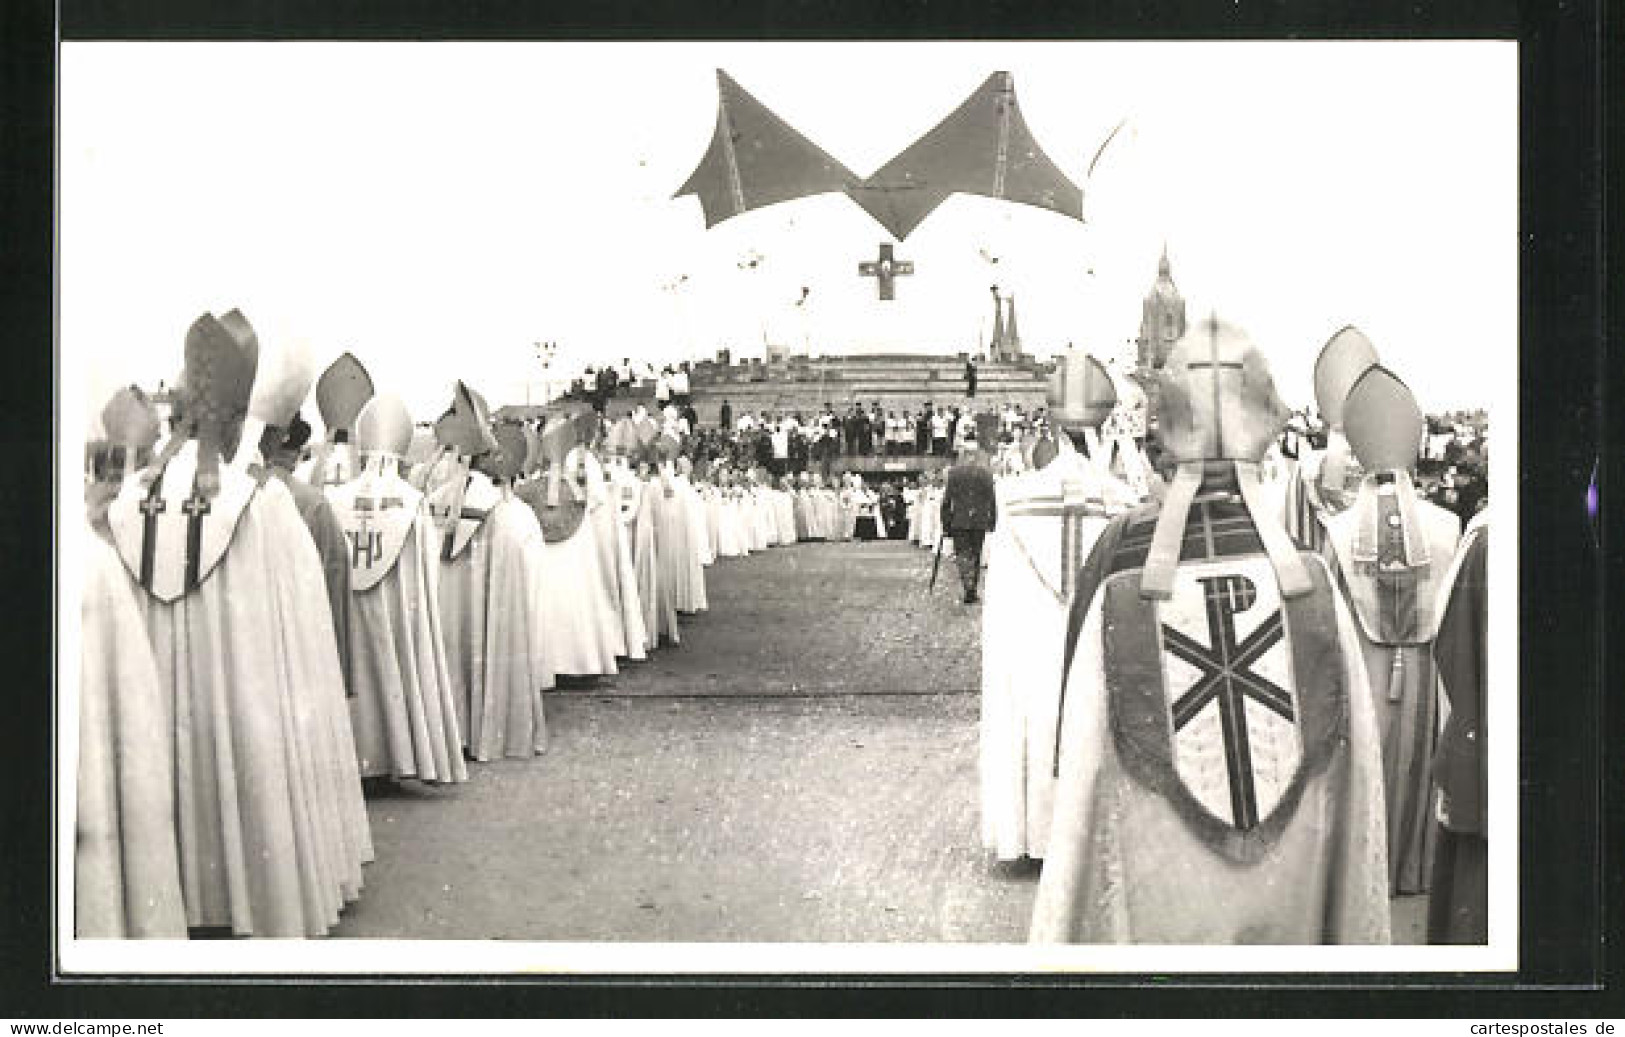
(1458, 905)
(867, 524)
(1050, 518)
(127, 874)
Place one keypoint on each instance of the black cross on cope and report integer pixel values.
(1228, 679)
(151, 507)
(195, 506)
(885, 269)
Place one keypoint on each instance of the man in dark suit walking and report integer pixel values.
(969, 512)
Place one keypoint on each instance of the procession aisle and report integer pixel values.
(821, 619)
(781, 789)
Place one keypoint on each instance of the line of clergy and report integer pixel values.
(1239, 699)
(227, 726)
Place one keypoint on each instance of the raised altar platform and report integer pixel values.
(896, 381)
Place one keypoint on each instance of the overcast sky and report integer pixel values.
(437, 208)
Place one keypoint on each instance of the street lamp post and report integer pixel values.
(546, 352)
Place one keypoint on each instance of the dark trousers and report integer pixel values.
(1458, 907)
(968, 557)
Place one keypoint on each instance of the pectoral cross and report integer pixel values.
(885, 269)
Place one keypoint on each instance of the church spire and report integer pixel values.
(1162, 318)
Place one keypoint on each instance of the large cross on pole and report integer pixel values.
(885, 269)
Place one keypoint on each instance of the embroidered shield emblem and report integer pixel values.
(376, 515)
(479, 495)
(170, 537)
(1225, 697)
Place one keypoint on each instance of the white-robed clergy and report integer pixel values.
(342, 390)
(405, 703)
(127, 873)
(232, 597)
(1049, 520)
(658, 548)
(575, 609)
(496, 646)
(613, 535)
(1323, 483)
(711, 498)
(689, 493)
(930, 530)
(1391, 551)
(679, 552)
(279, 391)
(699, 512)
(784, 513)
(730, 535)
(762, 528)
(625, 497)
(1220, 764)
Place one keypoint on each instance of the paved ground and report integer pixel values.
(820, 619)
(802, 768)
(843, 819)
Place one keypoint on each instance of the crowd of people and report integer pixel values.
(229, 730)
(792, 442)
(1251, 645)
(229, 725)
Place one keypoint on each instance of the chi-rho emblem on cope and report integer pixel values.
(1223, 696)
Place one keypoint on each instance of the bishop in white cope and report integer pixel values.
(405, 706)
